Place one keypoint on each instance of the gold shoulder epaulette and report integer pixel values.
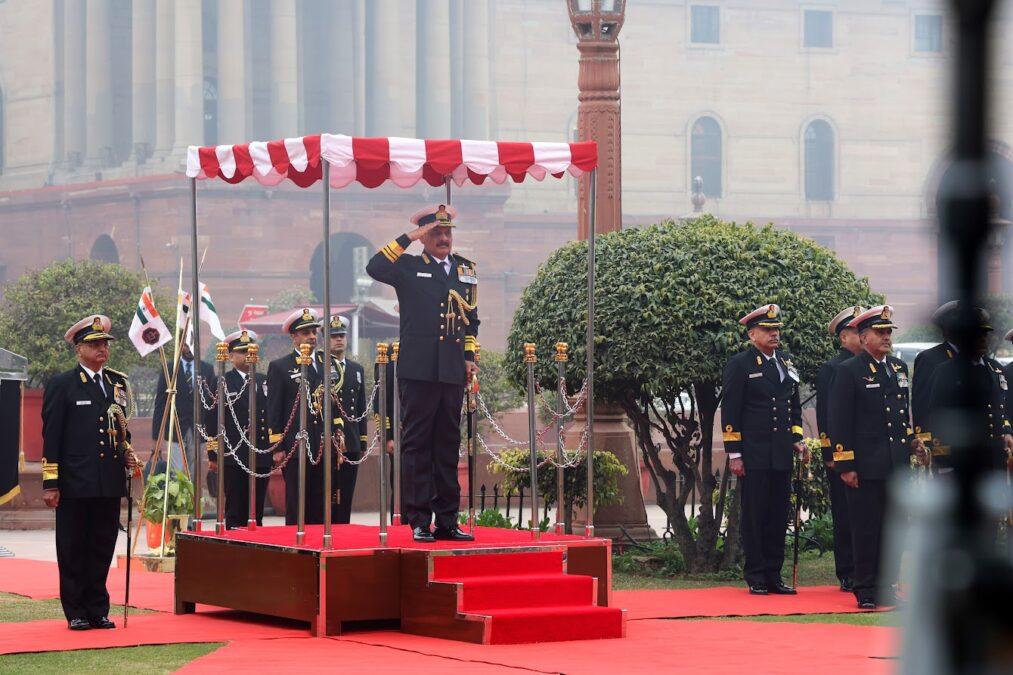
(117, 372)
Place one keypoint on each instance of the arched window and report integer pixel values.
(705, 155)
(819, 161)
(348, 268)
(104, 250)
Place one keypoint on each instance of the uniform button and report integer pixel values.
(775, 428)
(901, 412)
(441, 338)
(101, 455)
(990, 406)
(103, 419)
(775, 409)
(457, 340)
(101, 442)
(889, 424)
(891, 439)
(888, 409)
(442, 304)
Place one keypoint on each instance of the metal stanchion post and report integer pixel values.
(529, 360)
(252, 357)
(197, 470)
(221, 354)
(304, 359)
(472, 402)
(381, 361)
(561, 358)
(395, 431)
(328, 442)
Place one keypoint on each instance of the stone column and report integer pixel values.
(232, 96)
(188, 91)
(284, 69)
(165, 80)
(475, 69)
(432, 91)
(143, 39)
(342, 56)
(98, 84)
(73, 83)
(384, 79)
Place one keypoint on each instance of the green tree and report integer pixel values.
(668, 299)
(40, 306)
(293, 296)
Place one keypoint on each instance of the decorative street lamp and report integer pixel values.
(596, 24)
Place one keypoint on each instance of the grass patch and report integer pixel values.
(16, 608)
(136, 660)
(855, 619)
(813, 570)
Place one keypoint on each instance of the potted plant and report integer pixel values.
(607, 472)
(179, 503)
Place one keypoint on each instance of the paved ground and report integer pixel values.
(40, 545)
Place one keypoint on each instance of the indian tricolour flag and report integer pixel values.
(148, 331)
(208, 313)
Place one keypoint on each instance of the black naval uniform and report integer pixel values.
(925, 366)
(844, 563)
(871, 434)
(237, 485)
(353, 400)
(438, 332)
(184, 402)
(948, 390)
(282, 390)
(85, 464)
(762, 420)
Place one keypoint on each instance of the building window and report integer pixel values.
(929, 33)
(104, 250)
(705, 155)
(705, 24)
(818, 29)
(819, 161)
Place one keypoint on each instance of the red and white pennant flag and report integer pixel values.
(148, 331)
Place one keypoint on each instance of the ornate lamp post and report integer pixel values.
(596, 24)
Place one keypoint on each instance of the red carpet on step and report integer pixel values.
(146, 629)
(656, 646)
(40, 579)
(731, 601)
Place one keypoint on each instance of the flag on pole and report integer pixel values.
(208, 313)
(148, 331)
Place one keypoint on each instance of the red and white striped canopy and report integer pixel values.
(403, 161)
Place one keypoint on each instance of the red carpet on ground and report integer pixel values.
(146, 629)
(731, 601)
(651, 647)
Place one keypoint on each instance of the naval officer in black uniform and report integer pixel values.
(841, 328)
(237, 483)
(762, 421)
(925, 366)
(872, 440)
(86, 454)
(282, 390)
(352, 381)
(949, 389)
(437, 293)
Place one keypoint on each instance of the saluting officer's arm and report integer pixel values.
(842, 421)
(732, 391)
(383, 266)
(54, 416)
(276, 415)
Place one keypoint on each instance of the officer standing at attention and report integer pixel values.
(841, 328)
(762, 421)
(85, 456)
(237, 482)
(282, 391)
(352, 381)
(925, 366)
(949, 390)
(437, 293)
(872, 438)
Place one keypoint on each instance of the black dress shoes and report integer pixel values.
(780, 588)
(757, 589)
(455, 534)
(422, 535)
(847, 585)
(867, 604)
(79, 624)
(101, 622)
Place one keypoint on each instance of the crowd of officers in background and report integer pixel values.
(874, 420)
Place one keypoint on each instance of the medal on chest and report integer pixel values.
(120, 395)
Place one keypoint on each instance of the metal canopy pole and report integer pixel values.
(529, 363)
(197, 468)
(304, 359)
(252, 435)
(395, 431)
(221, 355)
(328, 442)
(589, 524)
(381, 362)
(561, 358)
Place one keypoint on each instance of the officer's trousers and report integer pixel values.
(765, 498)
(430, 440)
(867, 504)
(86, 530)
(237, 497)
(314, 486)
(344, 482)
(844, 559)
